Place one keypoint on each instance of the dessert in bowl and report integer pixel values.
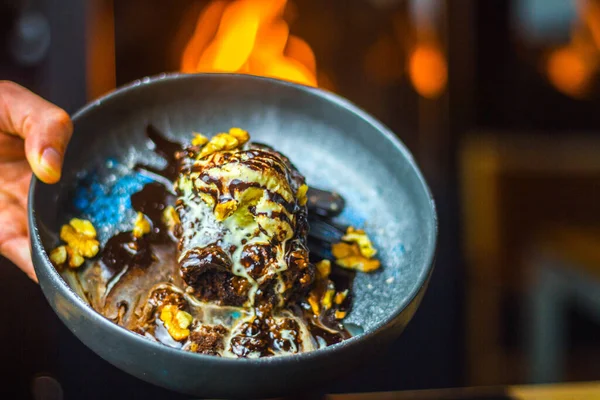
(271, 287)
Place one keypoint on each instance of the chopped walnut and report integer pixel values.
(327, 298)
(359, 237)
(221, 141)
(171, 218)
(355, 251)
(224, 210)
(176, 321)
(313, 301)
(340, 297)
(141, 226)
(348, 256)
(319, 300)
(80, 236)
(301, 194)
(199, 139)
(83, 227)
(58, 256)
(241, 135)
(323, 268)
(225, 141)
(75, 258)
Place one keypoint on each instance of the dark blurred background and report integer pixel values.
(498, 100)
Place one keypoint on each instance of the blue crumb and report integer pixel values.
(105, 202)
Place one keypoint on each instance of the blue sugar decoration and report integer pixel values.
(81, 203)
(104, 203)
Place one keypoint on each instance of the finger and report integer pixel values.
(17, 250)
(11, 148)
(15, 177)
(14, 242)
(45, 127)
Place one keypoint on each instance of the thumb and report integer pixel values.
(45, 128)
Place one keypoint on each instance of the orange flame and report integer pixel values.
(427, 70)
(250, 37)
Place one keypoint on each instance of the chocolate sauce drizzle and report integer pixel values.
(125, 250)
(167, 150)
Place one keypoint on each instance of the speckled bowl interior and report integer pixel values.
(334, 144)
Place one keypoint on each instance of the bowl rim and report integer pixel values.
(92, 315)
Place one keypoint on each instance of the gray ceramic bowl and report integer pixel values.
(334, 143)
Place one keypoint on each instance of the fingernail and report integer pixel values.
(51, 163)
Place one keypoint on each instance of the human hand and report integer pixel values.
(33, 137)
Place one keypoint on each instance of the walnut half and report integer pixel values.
(355, 251)
(80, 238)
(176, 321)
(234, 139)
